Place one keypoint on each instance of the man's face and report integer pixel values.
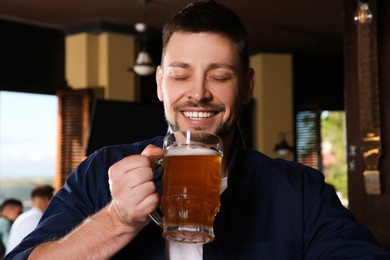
(201, 84)
(11, 212)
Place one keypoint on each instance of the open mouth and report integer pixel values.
(198, 115)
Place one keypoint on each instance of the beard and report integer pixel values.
(220, 131)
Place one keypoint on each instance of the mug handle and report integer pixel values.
(156, 216)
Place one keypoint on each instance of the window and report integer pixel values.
(308, 138)
(320, 144)
(28, 139)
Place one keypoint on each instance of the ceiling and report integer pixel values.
(281, 25)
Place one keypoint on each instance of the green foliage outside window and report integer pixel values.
(333, 134)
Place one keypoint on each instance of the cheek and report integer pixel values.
(232, 105)
(229, 99)
(170, 98)
(173, 92)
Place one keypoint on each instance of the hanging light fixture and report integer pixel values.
(363, 14)
(144, 65)
(282, 148)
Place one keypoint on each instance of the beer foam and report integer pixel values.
(181, 151)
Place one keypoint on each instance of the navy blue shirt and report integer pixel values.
(271, 209)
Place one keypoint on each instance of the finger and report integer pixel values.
(120, 182)
(149, 204)
(142, 200)
(131, 162)
(138, 176)
(140, 192)
(127, 164)
(153, 151)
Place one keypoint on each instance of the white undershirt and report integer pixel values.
(22, 226)
(179, 251)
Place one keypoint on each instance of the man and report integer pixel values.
(270, 209)
(10, 209)
(26, 222)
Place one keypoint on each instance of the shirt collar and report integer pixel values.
(235, 160)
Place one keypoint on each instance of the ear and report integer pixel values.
(249, 84)
(159, 76)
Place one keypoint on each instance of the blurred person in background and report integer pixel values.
(26, 222)
(10, 209)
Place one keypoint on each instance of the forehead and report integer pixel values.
(206, 47)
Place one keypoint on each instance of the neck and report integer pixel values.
(39, 203)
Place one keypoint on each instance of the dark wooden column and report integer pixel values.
(73, 126)
(372, 210)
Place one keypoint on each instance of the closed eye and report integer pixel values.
(179, 73)
(179, 77)
(221, 78)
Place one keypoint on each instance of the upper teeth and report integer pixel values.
(198, 115)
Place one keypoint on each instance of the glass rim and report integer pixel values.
(193, 139)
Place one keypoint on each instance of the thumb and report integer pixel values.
(153, 151)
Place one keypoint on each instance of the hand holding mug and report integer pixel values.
(132, 188)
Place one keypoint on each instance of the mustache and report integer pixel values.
(201, 104)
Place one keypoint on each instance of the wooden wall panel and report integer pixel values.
(370, 210)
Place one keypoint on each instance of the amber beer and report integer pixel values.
(191, 186)
(191, 190)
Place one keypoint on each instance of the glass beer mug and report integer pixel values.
(191, 186)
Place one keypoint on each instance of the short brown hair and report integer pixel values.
(209, 16)
(44, 191)
(11, 201)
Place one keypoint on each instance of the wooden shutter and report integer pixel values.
(308, 138)
(73, 120)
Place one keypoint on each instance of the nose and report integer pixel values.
(199, 90)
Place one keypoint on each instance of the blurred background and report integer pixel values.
(70, 68)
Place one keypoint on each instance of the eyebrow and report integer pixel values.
(210, 67)
(223, 66)
(178, 64)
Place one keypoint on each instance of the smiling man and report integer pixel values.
(203, 87)
(270, 208)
